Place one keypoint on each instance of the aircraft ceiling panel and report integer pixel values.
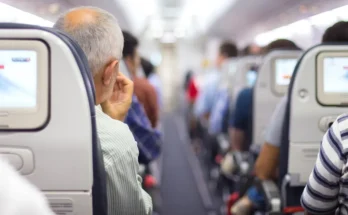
(47, 9)
(50, 9)
(251, 17)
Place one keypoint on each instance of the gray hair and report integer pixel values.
(101, 40)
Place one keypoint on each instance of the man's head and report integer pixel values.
(226, 50)
(336, 33)
(147, 67)
(281, 44)
(130, 53)
(251, 49)
(100, 37)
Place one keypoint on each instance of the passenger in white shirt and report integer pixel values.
(98, 34)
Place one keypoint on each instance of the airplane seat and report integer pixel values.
(50, 137)
(272, 83)
(316, 97)
(229, 69)
(240, 79)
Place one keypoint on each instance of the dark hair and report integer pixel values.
(281, 44)
(228, 49)
(147, 67)
(188, 78)
(336, 33)
(245, 51)
(130, 44)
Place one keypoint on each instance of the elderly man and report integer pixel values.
(100, 37)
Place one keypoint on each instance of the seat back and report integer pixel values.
(307, 118)
(62, 157)
(271, 85)
(240, 79)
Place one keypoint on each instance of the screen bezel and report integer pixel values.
(277, 89)
(324, 98)
(27, 118)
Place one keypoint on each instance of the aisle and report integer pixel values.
(181, 193)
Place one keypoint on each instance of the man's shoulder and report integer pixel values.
(115, 136)
(340, 127)
(342, 120)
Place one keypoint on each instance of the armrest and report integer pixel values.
(272, 196)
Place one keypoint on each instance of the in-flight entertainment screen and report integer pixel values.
(335, 71)
(283, 71)
(18, 79)
(251, 76)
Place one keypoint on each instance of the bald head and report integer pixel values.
(96, 31)
(80, 16)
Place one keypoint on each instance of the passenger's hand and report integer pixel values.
(227, 165)
(119, 103)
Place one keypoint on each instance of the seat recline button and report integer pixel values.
(15, 160)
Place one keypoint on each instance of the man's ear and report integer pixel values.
(109, 72)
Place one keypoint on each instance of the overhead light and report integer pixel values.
(303, 26)
(341, 12)
(138, 12)
(179, 33)
(206, 12)
(157, 34)
(324, 19)
(54, 8)
(168, 37)
(156, 27)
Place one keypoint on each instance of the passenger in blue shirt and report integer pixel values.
(241, 121)
(209, 91)
(149, 139)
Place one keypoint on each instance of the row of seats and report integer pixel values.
(316, 97)
(313, 103)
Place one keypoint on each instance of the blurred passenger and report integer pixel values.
(100, 37)
(191, 90)
(153, 78)
(251, 49)
(325, 192)
(209, 90)
(188, 78)
(241, 133)
(18, 196)
(145, 92)
(268, 159)
(148, 138)
(241, 120)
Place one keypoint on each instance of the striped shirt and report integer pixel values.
(327, 189)
(124, 190)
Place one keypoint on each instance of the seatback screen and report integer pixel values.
(284, 69)
(252, 76)
(335, 74)
(18, 79)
